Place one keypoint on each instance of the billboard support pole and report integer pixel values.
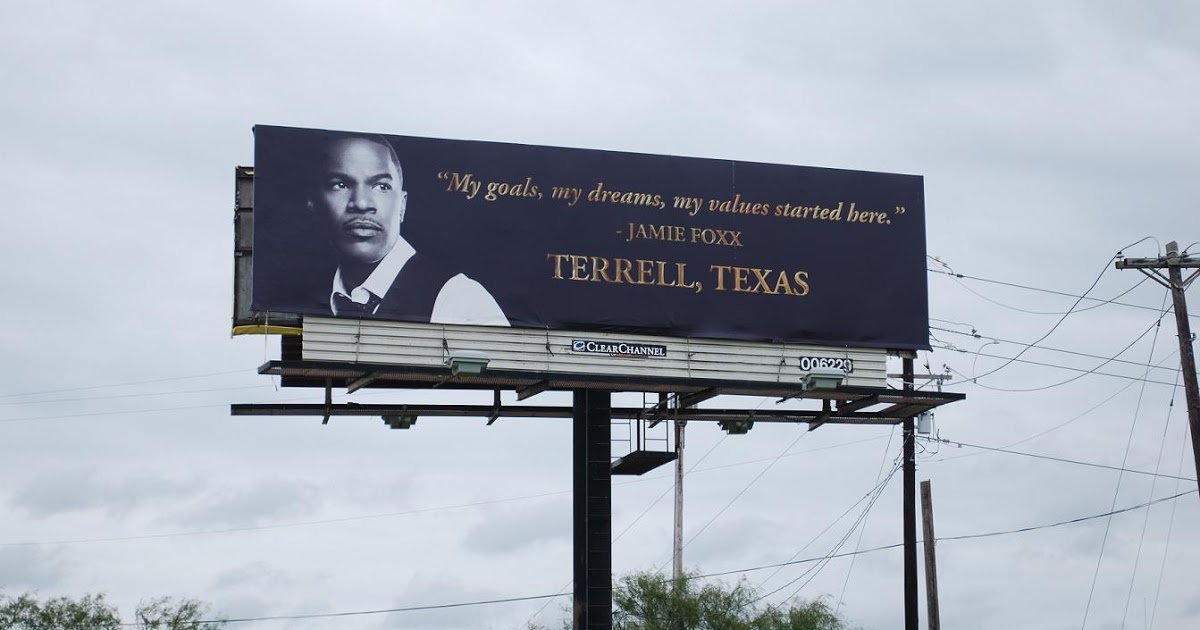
(911, 619)
(592, 509)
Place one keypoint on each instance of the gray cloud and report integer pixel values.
(507, 529)
(269, 500)
(31, 568)
(75, 490)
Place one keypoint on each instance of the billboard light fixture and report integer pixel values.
(823, 378)
(470, 362)
(736, 427)
(400, 420)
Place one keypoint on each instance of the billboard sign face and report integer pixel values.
(460, 232)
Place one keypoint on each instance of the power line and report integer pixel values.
(1055, 326)
(638, 518)
(379, 611)
(360, 517)
(1030, 311)
(250, 528)
(1162, 443)
(863, 530)
(691, 577)
(1063, 460)
(1155, 326)
(745, 488)
(992, 534)
(1137, 410)
(816, 568)
(125, 384)
(968, 378)
(1064, 423)
(976, 335)
(1170, 528)
(951, 272)
(1082, 519)
(879, 483)
(137, 395)
(91, 414)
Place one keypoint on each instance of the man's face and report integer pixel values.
(360, 200)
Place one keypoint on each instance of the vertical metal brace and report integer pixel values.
(495, 409)
(328, 400)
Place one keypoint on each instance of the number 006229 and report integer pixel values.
(820, 363)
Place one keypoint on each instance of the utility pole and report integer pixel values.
(911, 618)
(1174, 262)
(931, 593)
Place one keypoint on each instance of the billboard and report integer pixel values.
(439, 231)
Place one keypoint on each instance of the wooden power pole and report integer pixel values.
(1174, 262)
(931, 594)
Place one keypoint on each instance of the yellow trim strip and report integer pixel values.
(260, 329)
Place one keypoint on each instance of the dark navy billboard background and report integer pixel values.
(578, 239)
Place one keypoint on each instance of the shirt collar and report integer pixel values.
(380, 280)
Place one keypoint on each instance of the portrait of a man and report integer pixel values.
(358, 201)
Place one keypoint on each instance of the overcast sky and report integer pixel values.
(1050, 136)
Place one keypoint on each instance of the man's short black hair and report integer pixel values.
(320, 155)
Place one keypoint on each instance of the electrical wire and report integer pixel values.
(766, 468)
(1082, 519)
(379, 611)
(189, 407)
(812, 572)
(865, 497)
(949, 271)
(1057, 459)
(639, 517)
(695, 469)
(691, 577)
(254, 528)
(126, 384)
(1170, 528)
(741, 492)
(670, 488)
(380, 515)
(137, 395)
(1099, 302)
(1162, 443)
(871, 496)
(975, 335)
(92, 414)
(991, 534)
(1120, 476)
(1061, 424)
(1060, 321)
(969, 379)
(863, 529)
(1153, 327)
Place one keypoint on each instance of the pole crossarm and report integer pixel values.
(1162, 262)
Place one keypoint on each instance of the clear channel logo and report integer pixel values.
(618, 348)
